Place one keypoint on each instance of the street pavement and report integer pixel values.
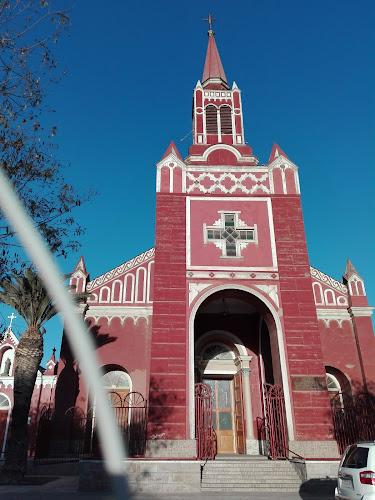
(64, 487)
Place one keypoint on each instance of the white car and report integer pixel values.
(356, 477)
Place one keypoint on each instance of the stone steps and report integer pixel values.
(258, 475)
(249, 474)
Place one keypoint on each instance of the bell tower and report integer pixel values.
(217, 111)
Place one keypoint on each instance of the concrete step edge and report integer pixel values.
(241, 479)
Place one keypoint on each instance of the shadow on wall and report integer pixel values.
(162, 405)
(67, 387)
(358, 388)
(353, 416)
(32, 428)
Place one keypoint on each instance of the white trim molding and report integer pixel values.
(44, 380)
(195, 289)
(361, 311)
(328, 280)
(218, 183)
(228, 147)
(328, 315)
(281, 160)
(120, 270)
(271, 291)
(251, 274)
(121, 312)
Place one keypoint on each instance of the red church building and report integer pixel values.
(226, 298)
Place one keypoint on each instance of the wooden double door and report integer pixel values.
(227, 413)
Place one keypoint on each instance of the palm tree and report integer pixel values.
(27, 295)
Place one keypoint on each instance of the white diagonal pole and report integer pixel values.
(80, 341)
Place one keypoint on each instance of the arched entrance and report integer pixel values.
(130, 409)
(5, 409)
(7, 361)
(216, 368)
(237, 353)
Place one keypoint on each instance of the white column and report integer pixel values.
(243, 365)
(247, 403)
(218, 126)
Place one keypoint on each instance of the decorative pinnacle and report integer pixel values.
(210, 19)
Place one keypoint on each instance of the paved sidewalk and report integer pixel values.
(64, 487)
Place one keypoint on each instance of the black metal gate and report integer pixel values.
(353, 419)
(74, 436)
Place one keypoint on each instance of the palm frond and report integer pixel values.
(27, 295)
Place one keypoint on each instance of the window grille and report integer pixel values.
(211, 119)
(226, 120)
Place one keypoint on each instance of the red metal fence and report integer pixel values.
(353, 419)
(272, 429)
(204, 423)
(275, 422)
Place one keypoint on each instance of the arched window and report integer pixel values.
(105, 294)
(211, 119)
(217, 351)
(330, 297)
(118, 385)
(4, 402)
(318, 293)
(334, 388)
(116, 291)
(141, 285)
(129, 288)
(116, 380)
(226, 120)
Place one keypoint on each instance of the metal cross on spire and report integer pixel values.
(11, 317)
(210, 19)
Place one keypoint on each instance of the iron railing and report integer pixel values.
(74, 436)
(205, 437)
(275, 422)
(353, 419)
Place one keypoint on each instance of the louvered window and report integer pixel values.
(211, 119)
(226, 120)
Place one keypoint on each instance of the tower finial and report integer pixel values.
(210, 19)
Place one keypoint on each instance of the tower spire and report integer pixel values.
(213, 69)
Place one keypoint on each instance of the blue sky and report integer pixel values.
(306, 71)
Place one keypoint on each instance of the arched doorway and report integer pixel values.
(7, 361)
(237, 352)
(5, 409)
(130, 409)
(216, 367)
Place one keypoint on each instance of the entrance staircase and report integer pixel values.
(245, 473)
